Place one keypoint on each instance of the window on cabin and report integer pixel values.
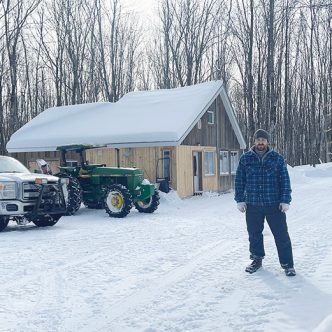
(209, 164)
(224, 162)
(234, 160)
(210, 117)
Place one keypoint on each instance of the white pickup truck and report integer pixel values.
(28, 197)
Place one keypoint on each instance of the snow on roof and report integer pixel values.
(142, 118)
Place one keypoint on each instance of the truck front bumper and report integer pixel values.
(18, 208)
(14, 207)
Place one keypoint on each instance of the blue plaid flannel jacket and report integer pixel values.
(263, 181)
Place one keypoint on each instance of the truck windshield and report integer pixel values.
(11, 165)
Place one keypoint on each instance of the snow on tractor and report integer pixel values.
(115, 189)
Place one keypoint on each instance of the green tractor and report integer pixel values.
(97, 186)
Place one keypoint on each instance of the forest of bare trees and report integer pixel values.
(274, 56)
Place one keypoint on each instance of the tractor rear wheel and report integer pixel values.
(4, 220)
(72, 192)
(47, 220)
(118, 201)
(148, 205)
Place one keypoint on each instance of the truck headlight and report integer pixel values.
(7, 190)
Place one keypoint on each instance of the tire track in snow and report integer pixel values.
(48, 272)
(311, 244)
(210, 263)
(323, 272)
(69, 241)
(156, 287)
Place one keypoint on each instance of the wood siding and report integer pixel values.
(228, 138)
(144, 158)
(207, 135)
(184, 170)
(28, 159)
(219, 135)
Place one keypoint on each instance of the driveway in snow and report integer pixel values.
(179, 269)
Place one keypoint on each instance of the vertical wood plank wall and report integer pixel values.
(220, 135)
(51, 157)
(145, 158)
(184, 164)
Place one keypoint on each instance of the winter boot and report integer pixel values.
(290, 272)
(254, 266)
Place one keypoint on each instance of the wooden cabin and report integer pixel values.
(203, 156)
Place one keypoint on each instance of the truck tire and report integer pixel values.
(47, 220)
(72, 193)
(118, 201)
(148, 205)
(4, 220)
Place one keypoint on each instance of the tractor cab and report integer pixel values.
(82, 166)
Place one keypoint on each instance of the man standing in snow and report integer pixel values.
(262, 190)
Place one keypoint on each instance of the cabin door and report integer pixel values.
(197, 172)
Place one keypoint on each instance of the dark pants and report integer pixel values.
(276, 219)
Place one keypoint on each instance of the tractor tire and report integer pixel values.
(149, 205)
(47, 220)
(4, 220)
(118, 201)
(72, 193)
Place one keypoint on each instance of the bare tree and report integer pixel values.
(119, 47)
(220, 54)
(243, 30)
(186, 35)
(15, 16)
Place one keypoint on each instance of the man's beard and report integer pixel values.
(260, 147)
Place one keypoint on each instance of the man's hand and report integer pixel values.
(283, 207)
(242, 206)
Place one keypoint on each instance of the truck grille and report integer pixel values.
(31, 191)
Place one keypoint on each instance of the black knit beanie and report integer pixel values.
(261, 133)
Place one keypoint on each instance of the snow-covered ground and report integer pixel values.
(179, 269)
